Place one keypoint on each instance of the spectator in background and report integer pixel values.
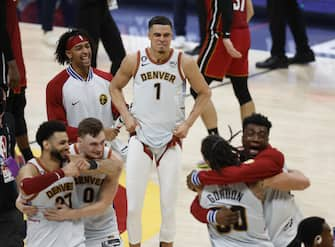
(16, 101)
(47, 10)
(12, 226)
(179, 19)
(94, 17)
(280, 13)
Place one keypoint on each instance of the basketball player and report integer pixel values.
(225, 53)
(96, 192)
(156, 122)
(250, 228)
(80, 91)
(282, 215)
(45, 182)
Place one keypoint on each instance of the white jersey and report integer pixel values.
(91, 98)
(250, 230)
(158, 103)
(40, 231)
(88, 189)
(282, 216)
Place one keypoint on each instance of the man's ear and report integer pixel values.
(317, 240)
(68, 54)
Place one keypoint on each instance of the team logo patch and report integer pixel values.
(103, 99)
(173, 64)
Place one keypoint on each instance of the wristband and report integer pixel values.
(211, 216)
(226, 35)
(93, 164)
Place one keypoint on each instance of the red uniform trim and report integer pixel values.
(174, 141)
(137, 63)
(162, 62)
(199, 212)
(180, 69)
(54, 102)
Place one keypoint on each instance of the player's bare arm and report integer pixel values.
(226, 7)
(111, 133)
(105, 200)
(112, 167)
(23, 206)
(198, 83)
(286, 181)
(120, 80)
(250, 10)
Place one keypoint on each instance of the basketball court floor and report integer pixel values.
(300, 102)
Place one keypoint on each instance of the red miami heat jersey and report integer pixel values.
(214, 15)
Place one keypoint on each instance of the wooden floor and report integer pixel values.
(300, 102)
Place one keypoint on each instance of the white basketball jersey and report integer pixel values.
(88, 189)
(250, 230)
(158, 102)
(91, 98)
(40, 231)
(282, 216)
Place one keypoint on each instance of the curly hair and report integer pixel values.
(218, 152)
(60, 52)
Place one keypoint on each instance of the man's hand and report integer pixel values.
(231, 49)
(13, 74)
(111, 133)
(61, 213)
(190, 185)
(22, 205)
(71, 169)
(181, 130)
(226, 217)
(130, 123)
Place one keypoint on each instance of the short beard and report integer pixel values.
(57, 156)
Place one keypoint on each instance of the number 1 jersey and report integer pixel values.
(158, 103)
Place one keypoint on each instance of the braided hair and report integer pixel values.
(218, 152)
(308, 229)
(60, 52)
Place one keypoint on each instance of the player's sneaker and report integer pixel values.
(179, 42)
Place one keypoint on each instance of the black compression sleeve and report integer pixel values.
(227, 16)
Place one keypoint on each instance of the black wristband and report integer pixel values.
(226, 35)
(93, 164)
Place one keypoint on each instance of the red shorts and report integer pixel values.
(214, 61)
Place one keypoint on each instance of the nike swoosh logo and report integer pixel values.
(143, 64)
(74, 103)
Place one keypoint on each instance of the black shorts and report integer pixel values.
(15, 105)
(12, 229)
